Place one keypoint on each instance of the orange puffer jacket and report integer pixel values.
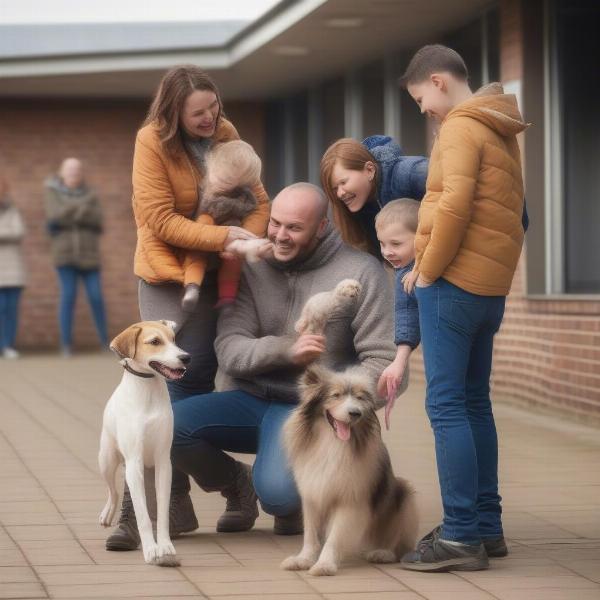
(470, 231)
(165, 198)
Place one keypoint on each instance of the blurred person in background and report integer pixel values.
(74, 222)
(12, 270)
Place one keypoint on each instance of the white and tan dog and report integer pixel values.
(138, 429)
(351, 501)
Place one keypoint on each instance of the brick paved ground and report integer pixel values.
(51, 495)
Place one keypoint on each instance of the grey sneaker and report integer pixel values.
(435, 555)
(495, 547)
(125, 535)
(289, 525)
(241, 510)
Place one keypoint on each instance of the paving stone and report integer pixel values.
(50, 539)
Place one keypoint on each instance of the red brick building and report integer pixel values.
(304, 74)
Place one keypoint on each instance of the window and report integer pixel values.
(571, 147)
(577, 50)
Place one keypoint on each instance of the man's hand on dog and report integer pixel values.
(307, 348)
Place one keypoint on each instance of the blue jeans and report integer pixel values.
(457, 332)
(208, 424)
(69, 277)
(9, 313)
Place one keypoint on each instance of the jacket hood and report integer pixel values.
(400, 176)
(383, 148)
(325, 250)
(54, 182)
(492, 107)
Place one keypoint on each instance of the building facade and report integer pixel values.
(299, 97)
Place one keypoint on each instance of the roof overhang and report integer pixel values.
(295, 44)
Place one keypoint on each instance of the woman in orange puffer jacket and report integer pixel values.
(184, 121)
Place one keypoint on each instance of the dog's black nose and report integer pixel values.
(355, 413)
(185, 358)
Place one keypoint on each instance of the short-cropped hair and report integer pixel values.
(404, 211)
(434, 58)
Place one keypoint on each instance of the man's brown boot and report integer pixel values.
(125, 535)
(289, 525)
(182, 518)
(241, 511)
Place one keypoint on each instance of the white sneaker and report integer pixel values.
(10, 353)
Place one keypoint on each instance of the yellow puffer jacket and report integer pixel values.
(165, 198)
(470, 231)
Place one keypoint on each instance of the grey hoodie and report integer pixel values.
(255, 335)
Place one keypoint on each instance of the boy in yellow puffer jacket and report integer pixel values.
(468, 243)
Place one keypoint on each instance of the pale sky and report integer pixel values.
(98, 11)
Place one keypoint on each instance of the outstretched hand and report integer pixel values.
(388, 385)
(252, 249)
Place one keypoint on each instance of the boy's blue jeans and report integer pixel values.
(205, 425)
(457, 333)
(69, 277)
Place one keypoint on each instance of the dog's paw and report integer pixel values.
(297, 563)
(151, 554)
(165, 549)
(349, 288)
(300, 325)
(168, 560)
(166, 555)
(106, 516)
(381, 555)
(323, 568)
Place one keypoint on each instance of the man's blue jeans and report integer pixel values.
(457, 332)
(69, 277)
(207, 424)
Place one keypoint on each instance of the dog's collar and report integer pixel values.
(134, 372)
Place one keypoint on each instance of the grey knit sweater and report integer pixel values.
(254, 336)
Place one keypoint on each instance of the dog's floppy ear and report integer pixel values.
(124, 345)
(312, 382)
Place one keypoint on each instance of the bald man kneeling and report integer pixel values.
(262, 356)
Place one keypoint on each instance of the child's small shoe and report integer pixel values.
(225, 301)
(190, 298)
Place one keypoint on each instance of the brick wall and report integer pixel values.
(36, 136)
(547, 354)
